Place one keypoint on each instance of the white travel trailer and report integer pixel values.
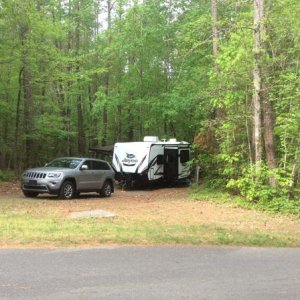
(151, 160)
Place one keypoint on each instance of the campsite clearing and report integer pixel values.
(165, 216)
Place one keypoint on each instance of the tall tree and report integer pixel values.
(267, 108)
(214, 14)
(80, 127)
(109, 8)
(257, 131)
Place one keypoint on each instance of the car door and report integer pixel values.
(87, 178)
(101, 169)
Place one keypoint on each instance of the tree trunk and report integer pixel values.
(28, 109)
(268, 132)
(28, 104)
(80, 129)
(118, 116)
(107, 77)
(219, 112)
(130, 134)
(257, 124)
(267, 109)
(17, 129)
(214, 16)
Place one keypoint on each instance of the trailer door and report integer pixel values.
(170, 164)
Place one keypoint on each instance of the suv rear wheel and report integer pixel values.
(106, 189)
(67, 190)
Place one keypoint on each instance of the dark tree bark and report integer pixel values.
(268, 132)
(267, 109)
(118, 116)
(130, 134)
(17, 129)
(28, 116)
(263, 113)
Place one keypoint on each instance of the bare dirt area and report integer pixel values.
(164, 205)
(8, 189)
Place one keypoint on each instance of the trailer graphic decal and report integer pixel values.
(129, 160)
(118, 162)
(137, 169)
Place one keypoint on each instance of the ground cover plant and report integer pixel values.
(276, 205)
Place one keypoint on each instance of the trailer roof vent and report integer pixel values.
(172, 140)
(152, 139)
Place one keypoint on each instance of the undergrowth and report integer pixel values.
(7, 176)
(271, 205)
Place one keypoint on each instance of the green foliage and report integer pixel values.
(254, 186)
(7, 176)
(270, 200)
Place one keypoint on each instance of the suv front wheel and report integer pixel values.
(67, 190)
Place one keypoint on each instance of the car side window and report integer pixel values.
(99, 165)
(89, 163)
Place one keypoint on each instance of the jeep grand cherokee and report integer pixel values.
(69, 176)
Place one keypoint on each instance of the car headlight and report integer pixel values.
(54, 174)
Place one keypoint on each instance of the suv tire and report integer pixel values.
(106, 189)
(67, 190)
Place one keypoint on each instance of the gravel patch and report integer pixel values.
(98, 213)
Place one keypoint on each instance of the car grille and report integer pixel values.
(40, 188)
(35, 175)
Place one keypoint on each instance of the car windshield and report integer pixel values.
(70, 163)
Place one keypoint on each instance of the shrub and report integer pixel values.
(255, 187)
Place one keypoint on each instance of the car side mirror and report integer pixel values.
(84, 167)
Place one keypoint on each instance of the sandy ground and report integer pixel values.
(167, 205)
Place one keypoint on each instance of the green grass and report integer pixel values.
(29, 229)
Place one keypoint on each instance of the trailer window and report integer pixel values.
(184, 156)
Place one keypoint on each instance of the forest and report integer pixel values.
(221, 74)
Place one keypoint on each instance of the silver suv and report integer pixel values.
(69, 176)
